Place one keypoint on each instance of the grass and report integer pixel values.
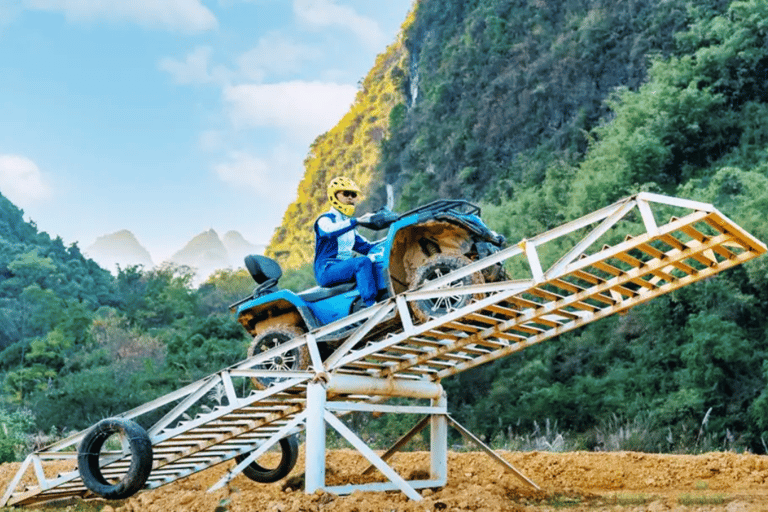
(53, 507)
(702, 499)
(701, 485)
(562, 501)
(626, 499)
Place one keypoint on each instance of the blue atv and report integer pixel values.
(421, 245)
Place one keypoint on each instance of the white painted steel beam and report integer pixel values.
(314, 471)
(374, 459)
(609, 222)
(381, 408)
(261, 450)
(358, 335)
(438, 442)
(487, 449)
(342, 384)
(675, 201)
(648, 219)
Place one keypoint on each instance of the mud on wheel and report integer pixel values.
(107, 432)
(289, 447)
(437, 266)
(295, 359)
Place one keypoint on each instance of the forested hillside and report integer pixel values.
(685, 371)
(544, 110)
(540, 110)
(77, 344)
(351, 148)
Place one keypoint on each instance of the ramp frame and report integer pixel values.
(601, 264)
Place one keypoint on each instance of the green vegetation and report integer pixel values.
(78, 344)
(690, 500)
(541, 111)
(625, 499)
(685, 372)
(352, 149)
(63, 506)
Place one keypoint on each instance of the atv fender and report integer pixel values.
(282, 307)
(413, 245)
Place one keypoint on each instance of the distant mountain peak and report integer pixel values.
(207, 252)
(120, 248)
(206, 246)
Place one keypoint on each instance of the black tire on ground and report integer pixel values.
(294, 359)
(290, 453)
(436, 266)
(141, 458)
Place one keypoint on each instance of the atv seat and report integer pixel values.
(319, 293)
(263, 269)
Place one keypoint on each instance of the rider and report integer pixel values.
(336, 238)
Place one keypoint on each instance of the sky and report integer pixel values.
(172, 117)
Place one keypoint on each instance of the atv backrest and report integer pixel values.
(262, 268)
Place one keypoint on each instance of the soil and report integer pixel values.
(615, 481)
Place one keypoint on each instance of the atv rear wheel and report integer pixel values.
(295, 359)
(437, 266)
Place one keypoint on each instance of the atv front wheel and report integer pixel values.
(437, 266)
(296, 359)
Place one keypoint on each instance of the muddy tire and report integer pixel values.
(274, 336)
(290, 453)
(141, 458)
(437, 266)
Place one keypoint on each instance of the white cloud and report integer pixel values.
(328, 13)
(275, 55)
(21, 180)
(244, 170)
(272, 178)
(230, 3)
(182, 15)
(302, 108)
(196, 68)
(212, 140)
(8, 13)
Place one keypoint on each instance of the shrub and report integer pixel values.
(14, 433)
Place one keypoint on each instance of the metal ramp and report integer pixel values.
(603, 263)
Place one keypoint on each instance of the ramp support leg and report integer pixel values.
(315, 444)
(438, 442)
(487, 449)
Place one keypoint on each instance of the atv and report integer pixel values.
(421, 245)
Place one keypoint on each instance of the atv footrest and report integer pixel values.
(319, 293)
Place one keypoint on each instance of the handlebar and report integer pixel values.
(380, 220)
(385, 217)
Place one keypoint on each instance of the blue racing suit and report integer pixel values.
(335, 240)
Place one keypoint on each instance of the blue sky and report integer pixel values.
(171, 117)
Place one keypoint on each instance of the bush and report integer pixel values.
(14, 433)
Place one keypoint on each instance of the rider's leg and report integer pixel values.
(344, 271)
(366, 281)
(382, 291)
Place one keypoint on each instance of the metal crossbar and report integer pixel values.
(601, 264)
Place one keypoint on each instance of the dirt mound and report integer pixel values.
(576, 481)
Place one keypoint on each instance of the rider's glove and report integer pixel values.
(365, 218)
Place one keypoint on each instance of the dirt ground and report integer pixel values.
(620, 481)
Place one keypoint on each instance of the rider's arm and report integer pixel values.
(362, 246)
(328, 227)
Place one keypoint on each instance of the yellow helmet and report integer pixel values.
(341, 184)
